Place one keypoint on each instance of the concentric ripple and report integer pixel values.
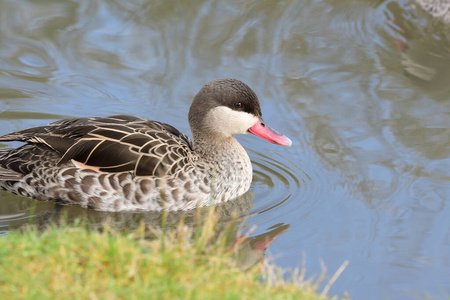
(281, 186)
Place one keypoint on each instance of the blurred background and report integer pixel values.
(361, 87)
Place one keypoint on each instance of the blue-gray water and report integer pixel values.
(361, 87)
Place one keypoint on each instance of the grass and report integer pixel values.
(73, 262)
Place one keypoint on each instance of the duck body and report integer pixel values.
(127, 163)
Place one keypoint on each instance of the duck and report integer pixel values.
(126, 163)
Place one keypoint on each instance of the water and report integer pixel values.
(361, 87)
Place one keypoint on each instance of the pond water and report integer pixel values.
(361, 87)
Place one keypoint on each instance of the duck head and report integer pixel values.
(225, 107)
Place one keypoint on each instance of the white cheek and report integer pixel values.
(228, 121)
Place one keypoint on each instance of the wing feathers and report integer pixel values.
(80, 151)
(113, 144)
(9, 175)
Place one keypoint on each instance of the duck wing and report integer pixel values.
(113, 144)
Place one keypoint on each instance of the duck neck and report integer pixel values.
(223, 152)
(215, 146)
(226, 160)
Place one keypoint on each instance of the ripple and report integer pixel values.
(428, 195)
(281, 186)
(31, 61)
(17, 211)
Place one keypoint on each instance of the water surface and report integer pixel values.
(361, 87)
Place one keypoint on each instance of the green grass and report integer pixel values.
(73, 262)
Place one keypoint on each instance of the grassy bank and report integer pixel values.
(72, 262)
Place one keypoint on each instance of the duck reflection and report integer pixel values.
(437, 8)
(19, 211)
(424, 45)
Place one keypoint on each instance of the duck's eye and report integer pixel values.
(239, 105)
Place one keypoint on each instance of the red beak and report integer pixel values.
(262, 130)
